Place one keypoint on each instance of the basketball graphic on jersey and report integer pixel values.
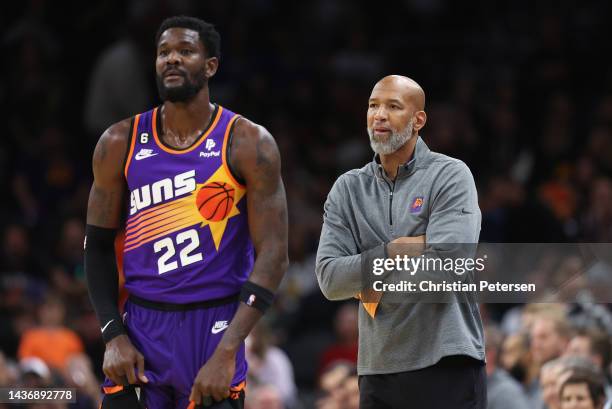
(215, 200)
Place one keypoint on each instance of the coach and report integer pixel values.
(417, 355)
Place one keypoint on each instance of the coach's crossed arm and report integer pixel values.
(340, 265)
(255, 156)
(339, 262)
(453, 227)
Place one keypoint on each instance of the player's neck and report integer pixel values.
(393, 161)
(185, 119)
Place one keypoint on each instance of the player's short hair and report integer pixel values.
(209, 36)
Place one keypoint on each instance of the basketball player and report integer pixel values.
(205, 235)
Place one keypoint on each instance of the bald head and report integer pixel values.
(408, 88)
(395, 114)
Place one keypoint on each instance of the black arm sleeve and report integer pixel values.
(103, 279)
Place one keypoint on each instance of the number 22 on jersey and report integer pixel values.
(187, 255)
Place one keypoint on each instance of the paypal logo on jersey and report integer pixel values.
(210, 144)
(162, 190)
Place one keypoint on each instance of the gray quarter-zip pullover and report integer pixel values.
(433, 194)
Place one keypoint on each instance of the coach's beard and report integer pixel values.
(182, 93)
(395, 141)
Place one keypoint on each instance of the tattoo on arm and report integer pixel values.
(107, 192)
(267, 208)
(267, 199)
(100, 152)
(263, 156)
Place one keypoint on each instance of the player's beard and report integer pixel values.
(184, 92)
(395, 141)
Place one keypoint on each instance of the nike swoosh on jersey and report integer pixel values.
(107, 324)
(140, 156)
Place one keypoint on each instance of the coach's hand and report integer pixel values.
(417, 245)
(120, 358)
(215, 377)
(410, 240)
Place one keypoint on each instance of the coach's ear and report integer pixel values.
(210, 69)
(420, 118)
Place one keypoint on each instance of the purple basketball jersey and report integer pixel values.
(183, 243)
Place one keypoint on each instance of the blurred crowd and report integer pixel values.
(521, 91)
(555, 356)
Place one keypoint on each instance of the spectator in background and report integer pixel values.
(503, 392)
(7, 373)
(79, 375)
(334, 375)
(592, 344)
(582, 391)
(597, 220)
(35, 373)
(69, 251)
(17, 255)
(118, 86)
(347, 337)
(531, 312)
(516, 359)
(554, 373)
(350, 392)
(264, 397)
(345, 396)
(580, 366)
(550, 374)
(340, 387)
(51, 340)
(550, 334)
(269, 365)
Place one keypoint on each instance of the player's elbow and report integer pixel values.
(274, 256)
(280, 257)
(280, 261)
(284, 263)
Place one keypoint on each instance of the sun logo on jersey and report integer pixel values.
(215, 200)
(211, 203)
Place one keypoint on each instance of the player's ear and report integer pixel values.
(210, 68)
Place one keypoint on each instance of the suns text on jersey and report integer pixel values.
(162, 190)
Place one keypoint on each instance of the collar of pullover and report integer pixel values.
(421, 151)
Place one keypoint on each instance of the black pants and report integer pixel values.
(127, 398)
(455, 382)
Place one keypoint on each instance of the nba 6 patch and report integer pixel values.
(416, 205)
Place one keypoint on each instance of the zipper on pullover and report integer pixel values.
(391, 190)
(391, 187)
